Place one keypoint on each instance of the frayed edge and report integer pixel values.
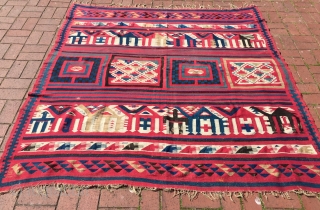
(172, 6)
(191, 194)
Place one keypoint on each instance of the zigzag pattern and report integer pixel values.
(173, 169)
(164, 15)
(166, 148)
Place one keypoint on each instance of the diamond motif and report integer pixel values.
(134, 71)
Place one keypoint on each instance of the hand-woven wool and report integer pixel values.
(195, 100)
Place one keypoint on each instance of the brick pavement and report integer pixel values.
(27, 29)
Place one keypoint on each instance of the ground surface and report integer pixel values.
(27, 29)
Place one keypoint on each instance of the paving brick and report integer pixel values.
(311, 98)
(305, 39)
(250, 204)
(3, 131)
(13, 51)
(31, 56)
(33, 2)
(168, 202)
(31, 87)
(18, 24)
(295, 75)
(314, 69)
(227, 203)
(68, 201)
(7, 20)
(31, 69)
(304, 74)
(35, 48)
(150, 200)
(310, 202)
(118, 209)
(308, 88)
(118, 198)
(15, 11)
(126, 2)
(2, 103)
(34, 37)
(30, 197)
(6, 63)
(49, 21)
(4, 11)
(46, 38)
(275, 32)
(16, 69)
(30, 14)
(43, 3)
(15, 83)
(106, 1)
(7, 201)
(3, 2)
(2, 33)
(279, 202)
(9, 110)
(3, 142)
(306, 46)
(89, 199)
(12, 94)
(5, 25)
(18, 33)
(292, 29)
(48, 12)
(200, 202)
(316, 78)
(60, 13)
(3, 72)
(33, 9)
(314, 115)
(30, 24)
(46, 28)
(34, 208)
(14, 40)
(294, 61)
(16, 3)
(290, 53)
(287, 43)
(58, 4)
(3, 49)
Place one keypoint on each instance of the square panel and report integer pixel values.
(135, 71)
(78, 70)
(253, 73)
(57, 76)
(198, 72)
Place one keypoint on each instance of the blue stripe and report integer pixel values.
(153, 102)
(181, 138)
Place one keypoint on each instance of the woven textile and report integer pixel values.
(185, 99)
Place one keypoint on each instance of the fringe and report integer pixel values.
(171, 6)
(192, 194)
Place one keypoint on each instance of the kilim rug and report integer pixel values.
(192, 100)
